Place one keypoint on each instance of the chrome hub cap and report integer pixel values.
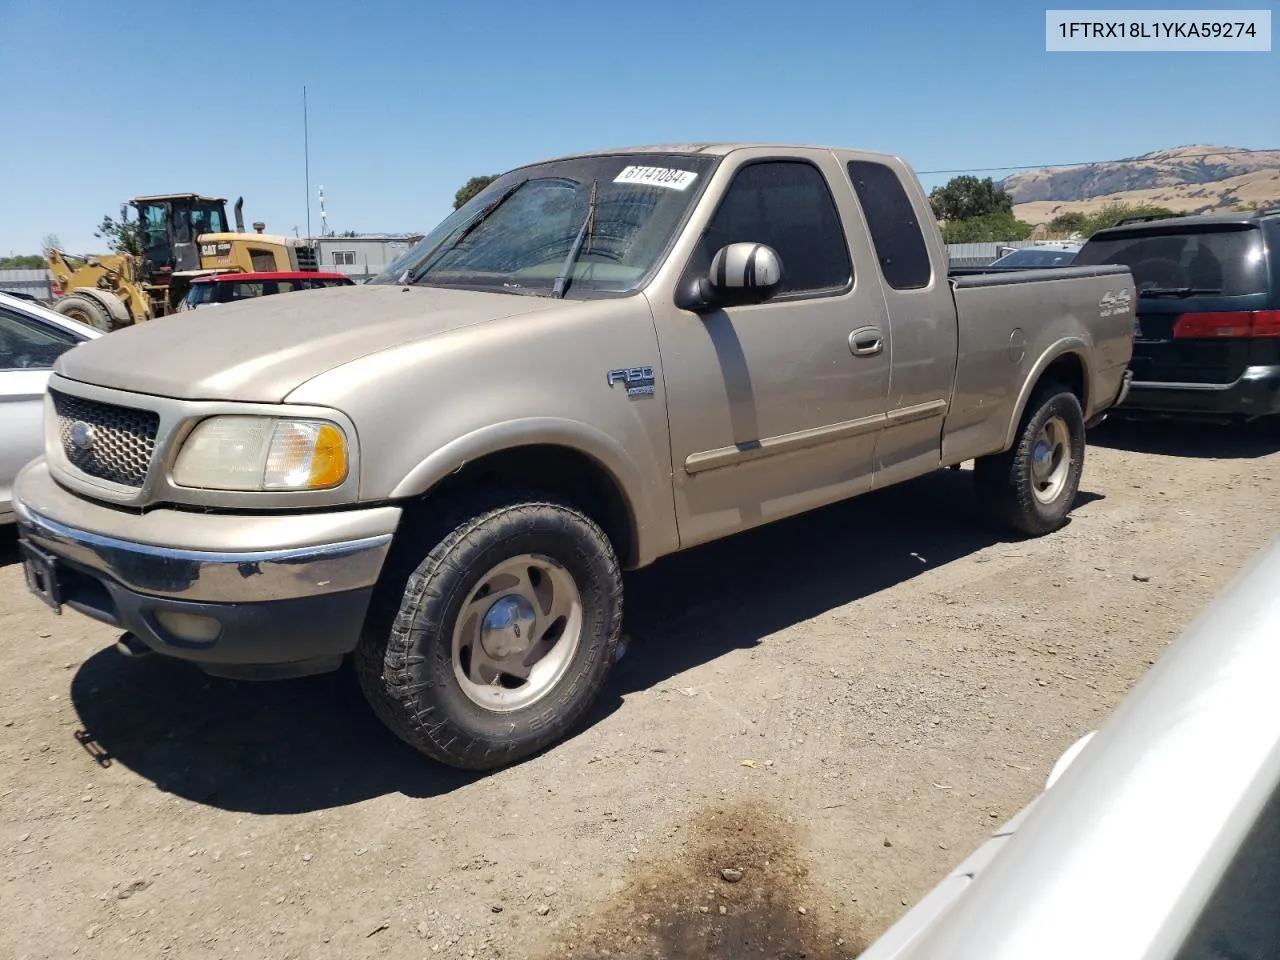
(1051, 460)
(507, 629)
(517, 633)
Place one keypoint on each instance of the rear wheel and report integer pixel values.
(85, 310)
(1031, 488)
(503, 637)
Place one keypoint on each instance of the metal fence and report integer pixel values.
(981, 254)
(37, 283)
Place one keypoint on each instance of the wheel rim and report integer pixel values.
(516, 635)
(85, 317)
(1051, 460)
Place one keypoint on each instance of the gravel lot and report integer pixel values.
(840, 707)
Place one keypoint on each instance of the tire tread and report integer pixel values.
(383, 665)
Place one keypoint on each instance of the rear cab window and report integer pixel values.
(894, 227)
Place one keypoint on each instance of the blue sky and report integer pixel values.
(409, 99)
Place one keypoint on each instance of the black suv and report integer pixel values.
(1207, 337)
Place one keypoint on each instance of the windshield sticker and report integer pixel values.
(657, 177)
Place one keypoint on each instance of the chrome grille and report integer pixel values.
(307, 259)
(105, 440)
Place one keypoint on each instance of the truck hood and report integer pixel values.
(262, 349)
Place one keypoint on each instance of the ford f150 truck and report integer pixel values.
(599, 360)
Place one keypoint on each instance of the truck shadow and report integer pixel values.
(302, 745)
(1189, 438)
(732, 593)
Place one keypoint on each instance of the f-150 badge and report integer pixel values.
(638, 380)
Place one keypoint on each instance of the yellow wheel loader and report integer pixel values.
(181, 236)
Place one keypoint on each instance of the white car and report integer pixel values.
(32, 337)
(1158, 836)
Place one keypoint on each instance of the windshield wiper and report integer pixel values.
(566, 271)
(1179, 292)
(412, 275)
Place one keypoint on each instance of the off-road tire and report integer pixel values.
(1004, 482)
(85, 310)
(406, 672)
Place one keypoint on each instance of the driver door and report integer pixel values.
(776, 407)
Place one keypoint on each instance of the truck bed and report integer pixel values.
(1008, 320)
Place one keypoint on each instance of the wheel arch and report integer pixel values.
(571, 460)
(116, 309)
(1065, 362)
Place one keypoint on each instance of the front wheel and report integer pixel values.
(1031, 488)
(85, 310)
(504, 635)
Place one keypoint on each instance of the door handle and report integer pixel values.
(866, 342)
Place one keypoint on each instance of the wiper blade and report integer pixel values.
(1180, 292)
(412, 275)
(566, 271)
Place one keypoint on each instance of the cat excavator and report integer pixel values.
(181, 236)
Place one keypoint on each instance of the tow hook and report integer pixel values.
(131, 647)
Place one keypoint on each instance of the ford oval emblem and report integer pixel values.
(81, 435)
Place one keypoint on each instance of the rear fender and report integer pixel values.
(1067, 345)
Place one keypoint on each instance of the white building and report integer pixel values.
(364, 255)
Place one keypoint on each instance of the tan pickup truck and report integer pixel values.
(598, 361)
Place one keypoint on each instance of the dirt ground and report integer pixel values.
(838, 707)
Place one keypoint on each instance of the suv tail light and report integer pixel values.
(1227, 323)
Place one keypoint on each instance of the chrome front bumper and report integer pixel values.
(217, 558)
(281, 595)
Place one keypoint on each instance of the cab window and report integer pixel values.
(787, 205)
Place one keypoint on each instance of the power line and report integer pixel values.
(1088, 163)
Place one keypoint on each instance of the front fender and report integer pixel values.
(642, 491)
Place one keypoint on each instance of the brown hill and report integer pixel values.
(1190, 165)
(1261, 188)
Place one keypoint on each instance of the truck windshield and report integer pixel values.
(515, 236)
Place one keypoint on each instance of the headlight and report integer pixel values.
(262, 453)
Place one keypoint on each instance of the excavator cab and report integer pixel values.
(182, 236)
(169, 224)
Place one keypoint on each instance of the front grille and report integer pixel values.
(115, 443)
(307, 259)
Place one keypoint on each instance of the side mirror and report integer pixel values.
(740, 274)
(124, 213)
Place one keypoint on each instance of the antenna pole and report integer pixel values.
(306, 153)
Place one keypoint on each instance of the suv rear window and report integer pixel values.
(1227, 261)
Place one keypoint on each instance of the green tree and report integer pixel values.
(1113, 213)
(1070, 222)
(964, 198)
(28, 261)
(471, 188)
(986, 229)
(123, 237)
